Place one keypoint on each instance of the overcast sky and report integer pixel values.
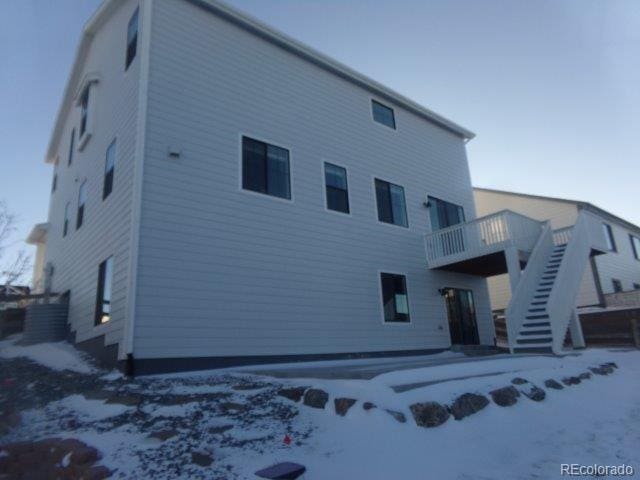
(550, 87)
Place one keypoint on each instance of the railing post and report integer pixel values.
(575, 327)
(513, 267)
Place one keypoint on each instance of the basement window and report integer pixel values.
(103, 296)
(395, 302)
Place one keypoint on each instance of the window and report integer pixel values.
(391, 203)
(54, 182)
(109, 166)
(444, 214)
(395, 301)
(65, 225)
(71, 145)
(617, 285)
(608, 234)
(84, 112)
(635, 246)
(336, 188)
(636, 286)
(265, 168)
(103, 297)
(383, 114)
(132, 39)
(82, 198)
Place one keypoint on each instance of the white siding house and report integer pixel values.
(184, 264)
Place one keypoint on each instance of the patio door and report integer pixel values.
(461, 311)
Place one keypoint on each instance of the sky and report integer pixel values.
(550, 87)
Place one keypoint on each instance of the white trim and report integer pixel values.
(375, 203)
(406, 284)
(384, 104)
(87, 81)
(272, 143)
(323, 163)
(144, 47)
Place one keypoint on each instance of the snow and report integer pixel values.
(88, 410)
(57, 356)
(171, 410)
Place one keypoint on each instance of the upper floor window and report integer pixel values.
(395, 301)
(84, 110)
(635, 246)
(336, 188)
(103, 296)
(67, 214)
(617, 285)
(383, 114)
(444, 214)
(82, 199)
(265, 168)
(391, 204)
(72, 142)
(608, 235)
(54, 182)
(132, 39)
(109, 166)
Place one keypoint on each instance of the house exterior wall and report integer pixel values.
(226, 272)
(107, 223)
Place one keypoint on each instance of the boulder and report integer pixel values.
(551, 383)
(584, 376)
(571, 380)
(294, 393)
(505, 397)
(220, 429)
(342, 405)
(368, 405)
(468, 404)
(602, 370)
(202, 459)
(429, 414)
(611, 364)
(519, 381)
(315, 398)
(535, 393)
(127, 400)
(164, 435)
(398, 416)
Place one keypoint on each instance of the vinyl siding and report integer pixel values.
(223, 271)
(107, 224)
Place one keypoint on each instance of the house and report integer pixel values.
(12, 296)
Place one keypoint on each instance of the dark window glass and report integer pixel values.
(635, 246)
(608, 233)
(103, 296)
(391, 203)
(82, 198)
(337, 190)
(84, 110)
(444, 214)
(636, 286)
(383, 114)
(65, 225)
(132, 39)
(54, 183)
(109, 166)
(617, 285)
(71, 146)
(394, 297)
(265, 168)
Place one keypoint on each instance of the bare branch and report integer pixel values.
(16, 270)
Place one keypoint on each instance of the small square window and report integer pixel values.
(383, 114)
(395, 301)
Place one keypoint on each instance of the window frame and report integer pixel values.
(325, 187)
(635, 249)
(610, 237)
(128, 60)
(65, 220)
(80, 208)
(273, 143)
(100, 291)
(381, 295)
(106, 177)
(377, 210)
(383, 104)
(615, 281)
(432, 199)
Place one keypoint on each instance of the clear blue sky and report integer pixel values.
(551, 87)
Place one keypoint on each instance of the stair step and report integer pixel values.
(536, 324)
(544, 284)
(557, 255)
(544, 340)
(549, 277)
(541, 302)
(550, 271)
(537, 309)
(536, 317)
(543, 290)
(543, 333)
(546, 295)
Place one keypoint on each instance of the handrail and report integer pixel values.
(562, 236)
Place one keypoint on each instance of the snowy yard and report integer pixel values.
(227, 424)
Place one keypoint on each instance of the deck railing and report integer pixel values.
(562, 236)
(482, 236)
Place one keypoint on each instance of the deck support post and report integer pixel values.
(577, 337)
(513, 267)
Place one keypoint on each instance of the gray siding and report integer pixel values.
(107, 224)
(225, 272)
(620, 265)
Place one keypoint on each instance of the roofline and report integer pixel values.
(38, 233)
(578, 203)
(265, 32)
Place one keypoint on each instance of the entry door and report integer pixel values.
(462, 316)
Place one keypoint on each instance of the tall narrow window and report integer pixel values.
(383, 114)
(395, 301)
(84, 111)
(265, 168)
(617, 285)
(71, 146)
(109, 166)
(337, 190)
(391, 203)
(54, 182)
(67, 213)
(608, 233)
(132, 39)
(103, 296)
(444, 214)
(635, 246)
(82, 198)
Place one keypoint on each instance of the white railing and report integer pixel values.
(481, 236)
(562, 236)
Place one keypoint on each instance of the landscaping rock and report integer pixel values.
(127, 400)
(468, 404)
(316, 398)
(342, 405)
(571, 381)
(398, 416)
(519, 381)
(294, 393)
(429, 414)
(584, 376)
(201, 459)
(230, 408)
(602, 370)
(611, 364)
(505, 397)
(551, 383)
(164, 435)
(368, 405)
(535, 393)
(248, 386)
(220, 429)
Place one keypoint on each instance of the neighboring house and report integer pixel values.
(616, 271)
(224, 195)
(10, 296)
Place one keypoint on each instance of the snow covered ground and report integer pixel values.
(239, 420)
